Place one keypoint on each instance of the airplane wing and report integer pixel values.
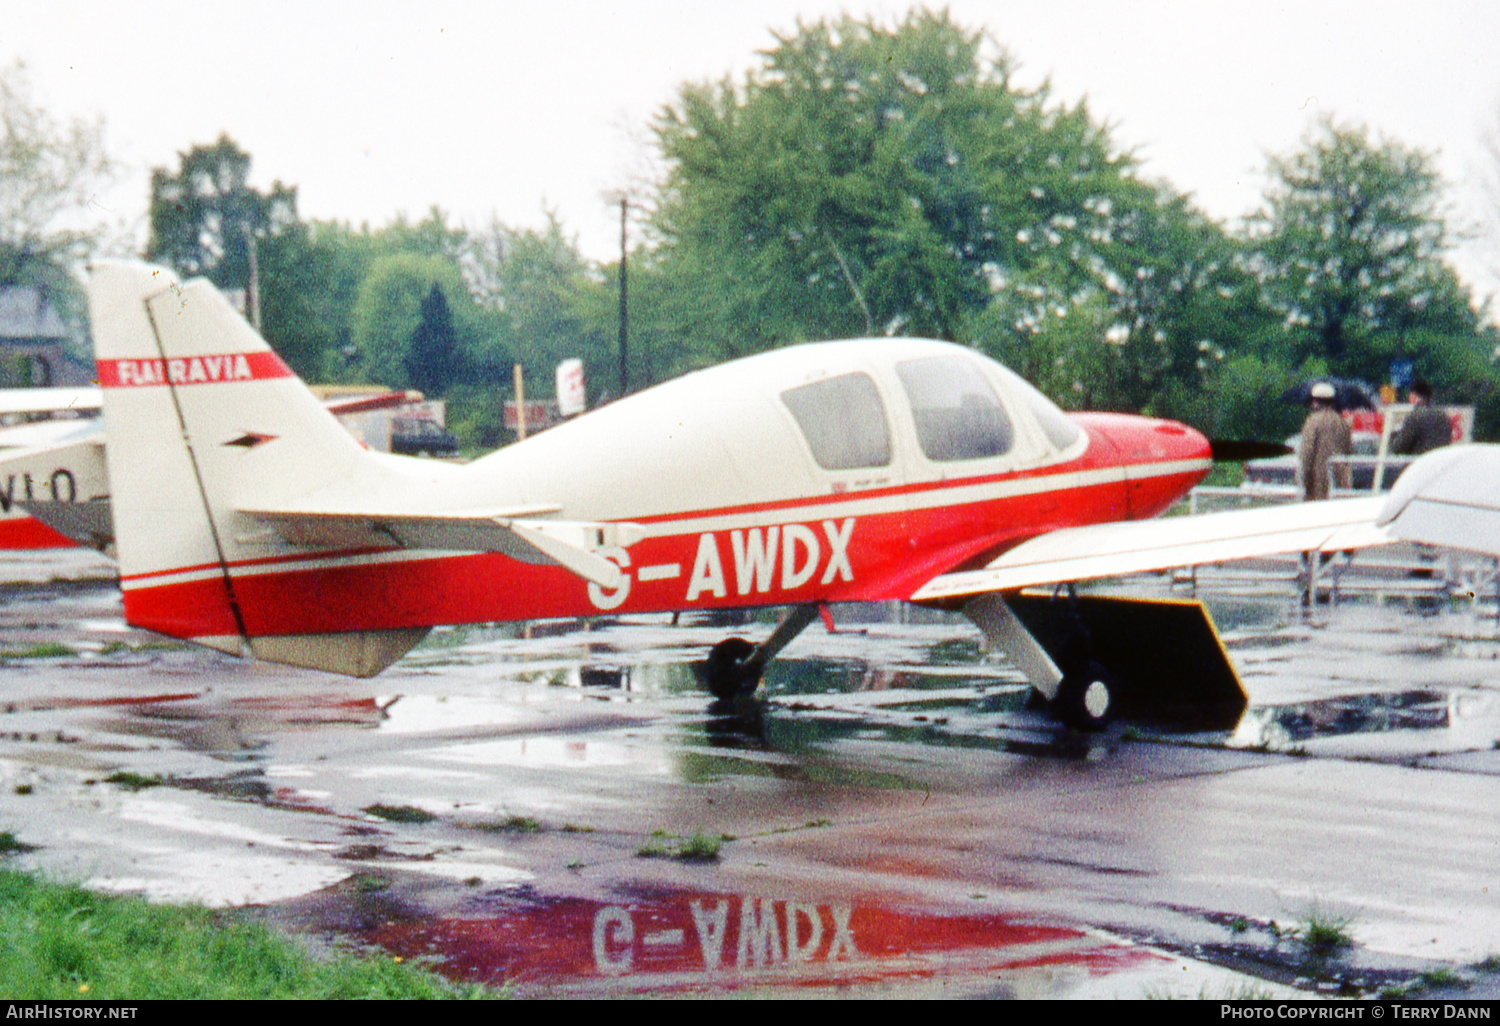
(49, 400)
(1449, 497)
(576, 545)
(1110, 550)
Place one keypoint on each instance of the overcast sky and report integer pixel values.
(506, 108)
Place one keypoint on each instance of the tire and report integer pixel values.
(727, 673)
(1086, 698)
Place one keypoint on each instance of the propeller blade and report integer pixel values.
(1233, 450)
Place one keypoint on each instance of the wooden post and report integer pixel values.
(520, 404)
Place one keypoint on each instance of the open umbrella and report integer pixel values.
(1348, 394)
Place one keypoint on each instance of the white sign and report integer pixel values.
(571, 398)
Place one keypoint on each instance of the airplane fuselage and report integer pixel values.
(832, 472)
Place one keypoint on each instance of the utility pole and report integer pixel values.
(252, 294)
(624, 310)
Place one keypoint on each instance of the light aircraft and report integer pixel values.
(246, 519)
(42, 419)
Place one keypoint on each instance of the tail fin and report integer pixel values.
(200, 413)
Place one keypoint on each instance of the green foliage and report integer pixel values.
(1324, 934)
(389, 310)
(700, 848)
(204, 214)
(133, 781)
(400, 813)
(871, 180)
(1349, 249)
(867, 179)
(65, 943)
(549, 305)
(41, 650)
(432, 360)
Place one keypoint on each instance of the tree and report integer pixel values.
(1349, 248)
(49, 172)
(204, 215)
(870, 180)
(432, 360)
(389, 311)
(550, 303)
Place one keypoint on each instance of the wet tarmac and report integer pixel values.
(568, 814)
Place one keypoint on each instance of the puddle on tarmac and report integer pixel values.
(674, 941)
(1436, 719)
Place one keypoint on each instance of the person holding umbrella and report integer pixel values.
(1324, 436)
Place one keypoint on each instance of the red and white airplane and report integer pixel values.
(248, 520)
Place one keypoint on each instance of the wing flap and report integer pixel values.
(1111, 550)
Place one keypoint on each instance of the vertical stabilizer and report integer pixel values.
(201, 416)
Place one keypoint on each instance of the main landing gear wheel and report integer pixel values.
(728, 672)
(1086, 697)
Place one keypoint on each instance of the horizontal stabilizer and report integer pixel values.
(575, 545)
(1112, 550)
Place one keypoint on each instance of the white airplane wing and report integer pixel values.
(1449, 497)
(49, 400)
(1111, 550)
(576, 545)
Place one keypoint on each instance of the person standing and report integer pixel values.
(1324, 436)
(1425, 428)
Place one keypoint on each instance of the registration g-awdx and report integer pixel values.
(247, 519)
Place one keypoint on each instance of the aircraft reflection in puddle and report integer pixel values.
(698, 941)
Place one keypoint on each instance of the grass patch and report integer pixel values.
(1443, 977)
(574, 828)
(133, 781)
(1491, 964)
(24, 789)
(1245, 990)
(62, 943)
(513, 825)
(700, 847)
(10, 844)
(1325, 935)
(115, 647)
(42, 650)
(399, 813)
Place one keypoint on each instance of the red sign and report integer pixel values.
(540, 413)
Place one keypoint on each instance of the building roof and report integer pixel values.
(26, 316)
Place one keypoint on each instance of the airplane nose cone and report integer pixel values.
(1146, 440)
(1163, 460)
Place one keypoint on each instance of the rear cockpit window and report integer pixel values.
(843, 421)
(957, 414)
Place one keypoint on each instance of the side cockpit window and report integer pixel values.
(957, 414)
(843, 421)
